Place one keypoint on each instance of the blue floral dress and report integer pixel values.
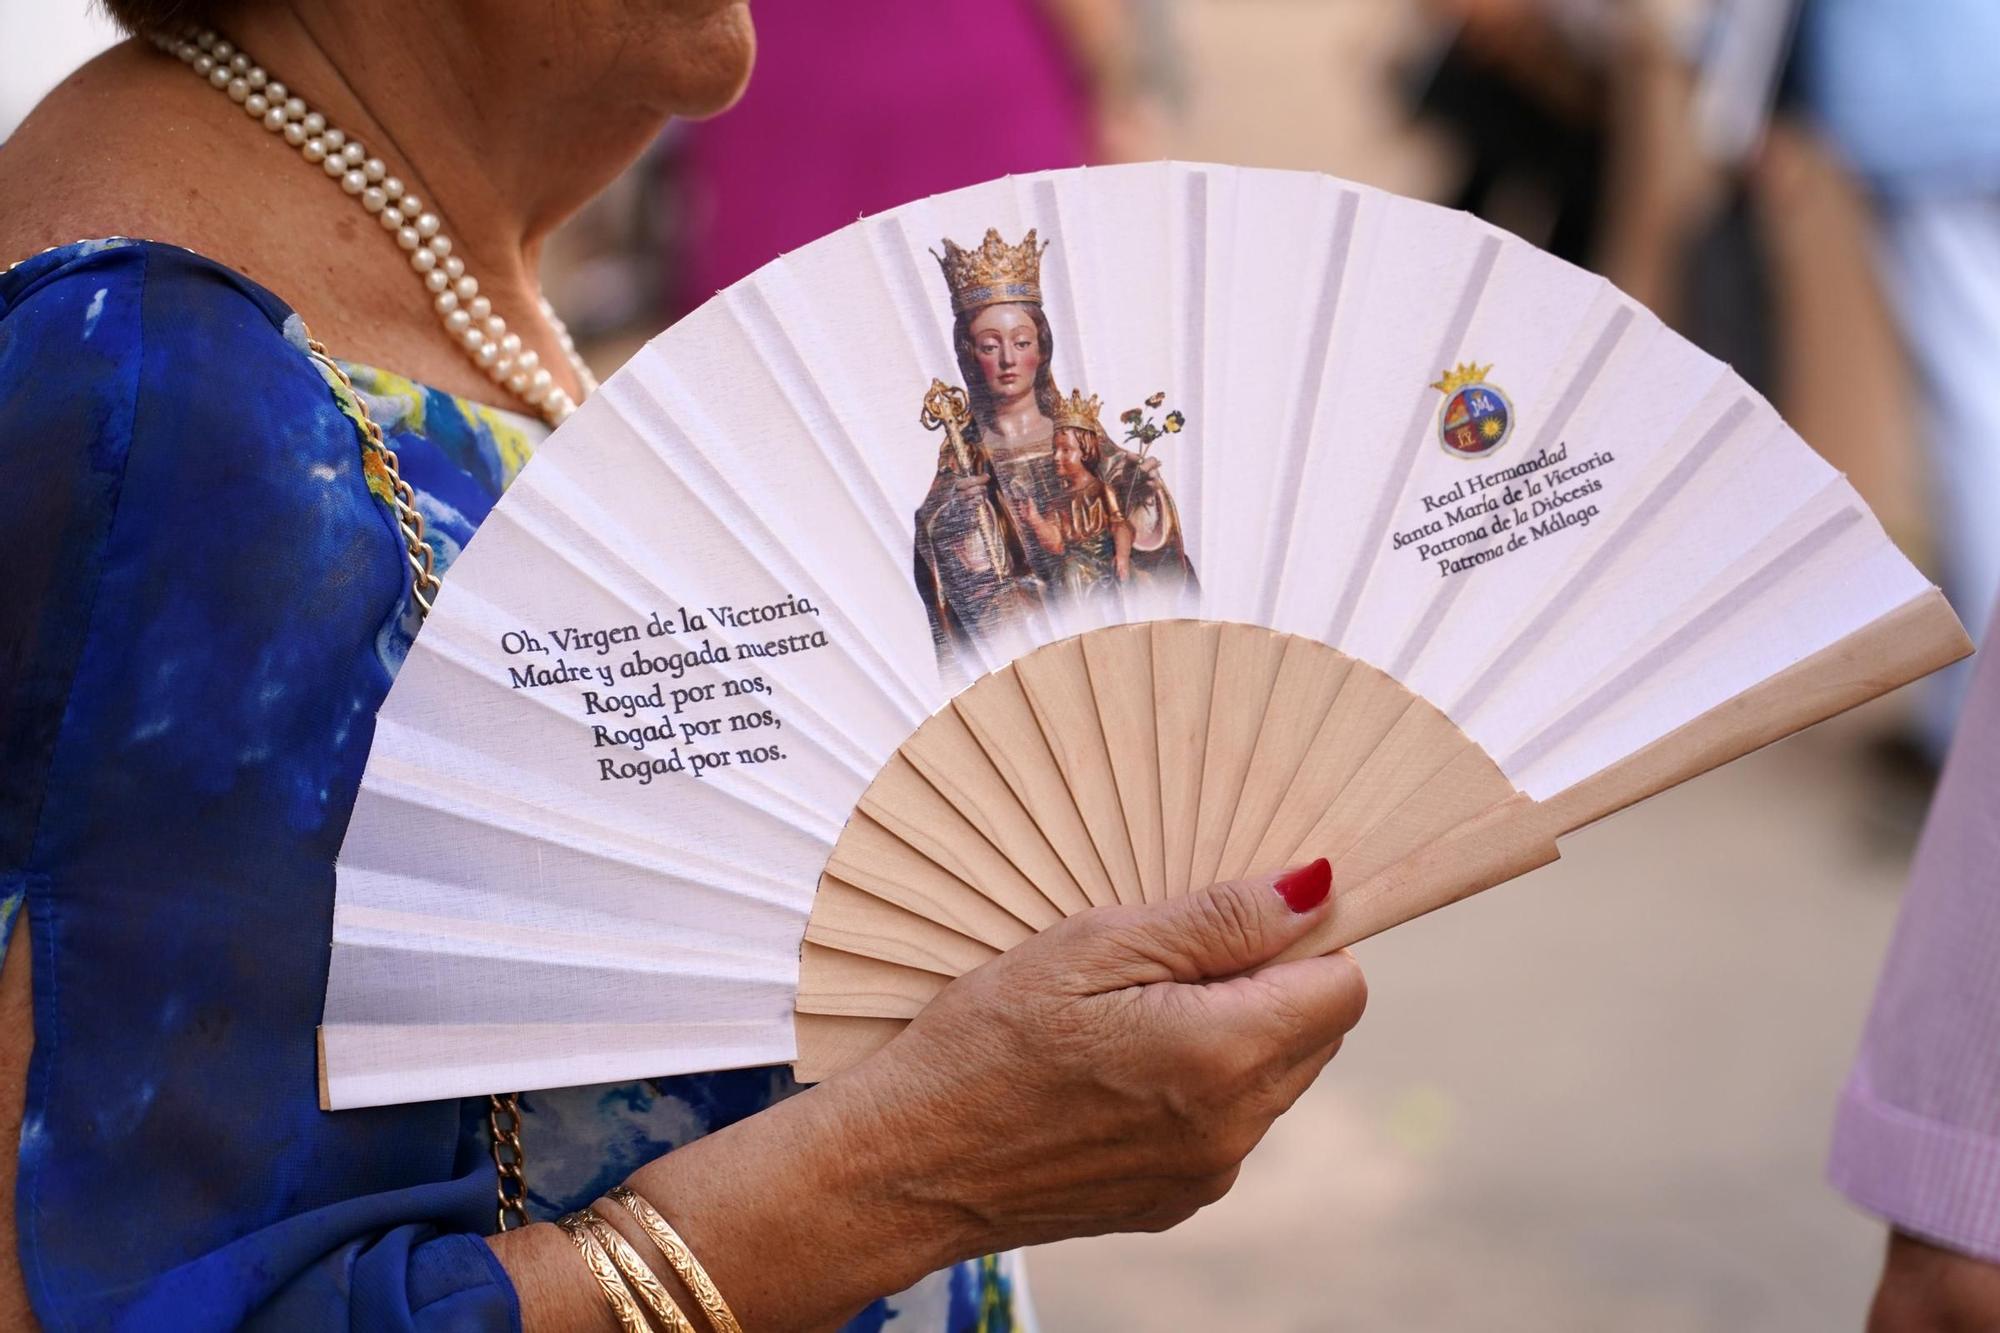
(205, 605)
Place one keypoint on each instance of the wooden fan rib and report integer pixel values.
(1368, 707)
(856, 922)
(1246, 663)
(1184, 657)
(948, 756)
(829, 1043)
(832, 981)
(1120, 664)
(998, 715)
(874, 861)
(1416, 748)
(1304, 691)
(904, 803)
(1055, 680)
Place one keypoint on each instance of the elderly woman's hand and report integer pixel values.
(1109, 1074)
(1112, 1073)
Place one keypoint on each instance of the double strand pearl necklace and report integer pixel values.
(467, 316)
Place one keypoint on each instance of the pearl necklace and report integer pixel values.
(467, 316)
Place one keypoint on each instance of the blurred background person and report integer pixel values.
(1909, 94)
(859, 108)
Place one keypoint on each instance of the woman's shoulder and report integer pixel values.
(107, 343)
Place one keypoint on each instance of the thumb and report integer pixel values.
(1218, 932)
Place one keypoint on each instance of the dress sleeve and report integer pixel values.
(198, 583)
(1917, 1136)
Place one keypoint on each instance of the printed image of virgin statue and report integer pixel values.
(1031, 502)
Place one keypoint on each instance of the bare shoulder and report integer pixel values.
(127, 146)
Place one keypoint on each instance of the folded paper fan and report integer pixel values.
(1076, 539)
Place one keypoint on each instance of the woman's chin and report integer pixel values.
(712, 61)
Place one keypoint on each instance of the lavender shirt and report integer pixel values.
(1917, 1139)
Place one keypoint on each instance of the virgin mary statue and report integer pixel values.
(1016, 517)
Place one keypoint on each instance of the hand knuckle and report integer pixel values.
(1228, 920)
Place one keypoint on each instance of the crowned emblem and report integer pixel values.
(993, 273)
(1078, 413)
(1476, 417)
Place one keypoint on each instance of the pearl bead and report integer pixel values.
(535, 392)
(407, 237)
(294, 108)
(314, 150)
(221, 50)
(440, 246)
(486, 354)
(518, 381)
(390, 219)
(203, 64)
(423, 261)
(467, 287)
(353, 182)
(335, 139)
(498, 371)
(256, 104)
(315, 122)
(375, 170)
(511, 344)
(220, 76)
(528, 360)
(455, 266)
(472, 339)
(427, 225)
(393, 187)
(257, 78)
(295, 133)
(238, 90)
(411, 206)
(373, 199)
(446, 301)
(334, 167)
(496, 327)
(187, 51)
(240, 63)
(458, 321)
(480, 307)
(277, 92)
(274, 119)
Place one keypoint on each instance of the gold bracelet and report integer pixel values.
(616, 1293)
(686, 1266)
(641, 1278)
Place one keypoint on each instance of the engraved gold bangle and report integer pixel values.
(630, 1318)
(686, 1266)
(641, 1278)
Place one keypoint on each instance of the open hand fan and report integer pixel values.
(917, 592)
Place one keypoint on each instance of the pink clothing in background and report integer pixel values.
(856, 108)
(1917, 1139)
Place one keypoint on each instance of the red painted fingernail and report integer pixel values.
(1305, 888)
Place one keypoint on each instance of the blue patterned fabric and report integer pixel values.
(205, 607)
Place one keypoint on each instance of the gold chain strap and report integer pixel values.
(503, 1110)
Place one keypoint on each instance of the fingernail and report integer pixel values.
(1305, 888)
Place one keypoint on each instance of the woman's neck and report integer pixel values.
(1020, 421)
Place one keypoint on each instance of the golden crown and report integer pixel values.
(1078, 413)
(1462, 375)
(993, 273)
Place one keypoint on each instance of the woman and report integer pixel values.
(988, 546)
(210, 586)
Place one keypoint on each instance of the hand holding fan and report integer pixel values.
(1192, 523)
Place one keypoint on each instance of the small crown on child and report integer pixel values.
(1078, 413)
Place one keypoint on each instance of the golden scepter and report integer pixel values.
(948, 409)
